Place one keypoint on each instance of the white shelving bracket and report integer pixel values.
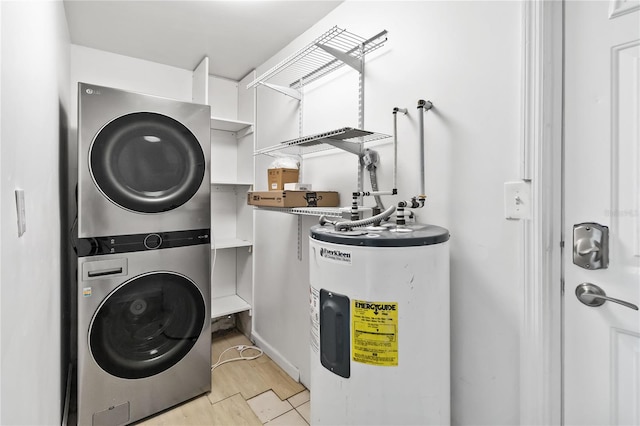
(284, 90)
(352, 147)
(353, 62)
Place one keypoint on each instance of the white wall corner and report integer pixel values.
(1, 375)
(200, 83)
(276, 356)
(540, 346)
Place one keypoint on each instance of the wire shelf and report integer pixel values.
(307, 211)
(324, 55)
(346, 138)
(334, 212)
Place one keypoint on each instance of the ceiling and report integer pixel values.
(236, 35)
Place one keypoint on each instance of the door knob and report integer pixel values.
(592, 295)
(585, 246)
(591, 245)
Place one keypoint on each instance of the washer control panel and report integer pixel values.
(141, 242)
(152, 241)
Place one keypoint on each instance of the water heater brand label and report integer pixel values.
(338, 256)
(375, 332)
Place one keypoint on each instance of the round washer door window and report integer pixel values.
(147, 325)
(147, 162)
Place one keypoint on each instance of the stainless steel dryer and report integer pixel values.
(142, 163)
(144, 328)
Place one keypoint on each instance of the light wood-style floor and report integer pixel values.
(243, 393)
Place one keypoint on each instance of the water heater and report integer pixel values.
(379, 305)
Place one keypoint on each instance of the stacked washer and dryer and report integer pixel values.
(143, 278)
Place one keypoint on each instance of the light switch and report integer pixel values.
(517, 200)
(20, 210)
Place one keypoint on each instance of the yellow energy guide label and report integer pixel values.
(375, 332)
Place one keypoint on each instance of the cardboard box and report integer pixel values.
(293, 198)
(276, 178)
(291, 186)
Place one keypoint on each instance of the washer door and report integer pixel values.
(147, 325)
(147, 162)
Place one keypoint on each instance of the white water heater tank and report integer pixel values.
(380, 326)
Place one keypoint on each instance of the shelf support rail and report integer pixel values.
(361, 121)
(300, 242)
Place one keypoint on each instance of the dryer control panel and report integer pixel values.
(141, 242)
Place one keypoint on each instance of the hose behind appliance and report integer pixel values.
(349, 224)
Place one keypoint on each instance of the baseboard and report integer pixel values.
(276, 356)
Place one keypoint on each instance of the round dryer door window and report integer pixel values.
(147, 162)
(147, 325)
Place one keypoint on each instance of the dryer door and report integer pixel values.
(147, 162)
(147, 325)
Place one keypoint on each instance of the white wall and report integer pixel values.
(35, 105)
(465, 57)
(1, 215)
(137, 75)
(223, 97)
(126, 73)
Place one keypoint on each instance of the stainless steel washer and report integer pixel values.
(142, 163)
(144, 331)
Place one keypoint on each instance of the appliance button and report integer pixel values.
(152, 241)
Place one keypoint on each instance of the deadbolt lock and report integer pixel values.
(591, 246)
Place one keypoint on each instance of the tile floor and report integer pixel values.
(243, 392)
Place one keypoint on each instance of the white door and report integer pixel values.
(602, 185)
